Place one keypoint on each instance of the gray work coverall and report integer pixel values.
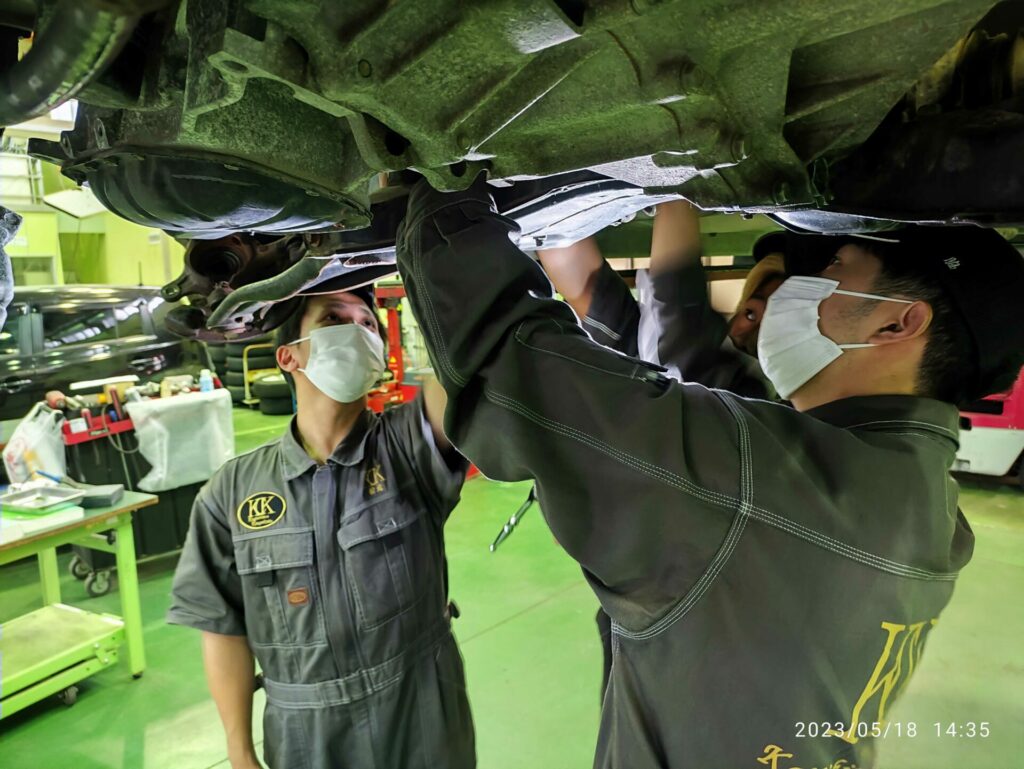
(336, 574)
(765, 569)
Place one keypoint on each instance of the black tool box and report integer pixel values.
(104, 456)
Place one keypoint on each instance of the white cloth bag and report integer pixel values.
(36, 444)
(185, 438)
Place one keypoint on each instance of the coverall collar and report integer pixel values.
(349, 452)
(881, 411)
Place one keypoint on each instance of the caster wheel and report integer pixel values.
(98, 583)
(68, 696)
(78, 568)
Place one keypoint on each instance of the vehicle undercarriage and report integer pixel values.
(275, 136)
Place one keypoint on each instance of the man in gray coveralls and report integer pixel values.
(322, 555)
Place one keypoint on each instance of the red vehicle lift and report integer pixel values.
(394, 391)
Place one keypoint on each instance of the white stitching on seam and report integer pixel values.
(711, 497)
(937, 440)
(929, 425)
(706, 495)
(432, 315)
(726, 549)
(634, 362)
(601, 327)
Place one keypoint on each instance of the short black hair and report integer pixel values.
(948, 364)
(291, 330)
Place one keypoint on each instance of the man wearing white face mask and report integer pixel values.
(772, 573)
(321, 554)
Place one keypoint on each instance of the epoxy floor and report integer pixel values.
(532, 657)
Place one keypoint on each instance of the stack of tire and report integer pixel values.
(229, 363)
(274, 393)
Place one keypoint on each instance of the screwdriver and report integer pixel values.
(508, 528)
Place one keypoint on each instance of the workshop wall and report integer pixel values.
(36, 250)
(54, 247)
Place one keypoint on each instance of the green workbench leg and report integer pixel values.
(131, 609)
(49, 576)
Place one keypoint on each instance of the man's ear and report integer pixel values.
(913, 321)
(286, 360)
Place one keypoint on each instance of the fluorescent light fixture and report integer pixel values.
(79, 203)
(130, 378)
(66, 111)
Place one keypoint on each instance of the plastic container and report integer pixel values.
(205, 381)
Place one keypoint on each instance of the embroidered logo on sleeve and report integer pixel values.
(298, 596)
(260, 510)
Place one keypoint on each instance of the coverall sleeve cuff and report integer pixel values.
(226, 626)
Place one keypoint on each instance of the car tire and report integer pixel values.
(258, 360)
(276, 406)
(236, 348)
(234, 379)
(218, 354)
(237, 393)
(271, 386)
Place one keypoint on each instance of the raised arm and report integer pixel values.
(597, 293)
(531, 396)
(434, 401)
(573, 271)
(675, 238)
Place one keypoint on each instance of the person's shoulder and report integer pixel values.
(255, 462)
(257, 457)
(402, 412)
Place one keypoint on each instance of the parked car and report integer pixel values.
(56, 335)
(992, 435)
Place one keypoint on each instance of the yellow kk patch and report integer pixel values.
(260, 510)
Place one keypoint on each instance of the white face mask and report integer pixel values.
(345, 361)
(790, 347)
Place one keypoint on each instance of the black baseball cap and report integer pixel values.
(367, 294)
(770, 243)
(802, 253)
(979, 271)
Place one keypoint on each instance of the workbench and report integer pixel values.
(47, 651)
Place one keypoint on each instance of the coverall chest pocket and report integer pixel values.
(388, 561)
(280, 590)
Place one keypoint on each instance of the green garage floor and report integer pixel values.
(532, 657)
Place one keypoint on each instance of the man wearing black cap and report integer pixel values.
(321, 554)
(772, 573)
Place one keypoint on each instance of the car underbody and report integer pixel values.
(276, 135)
